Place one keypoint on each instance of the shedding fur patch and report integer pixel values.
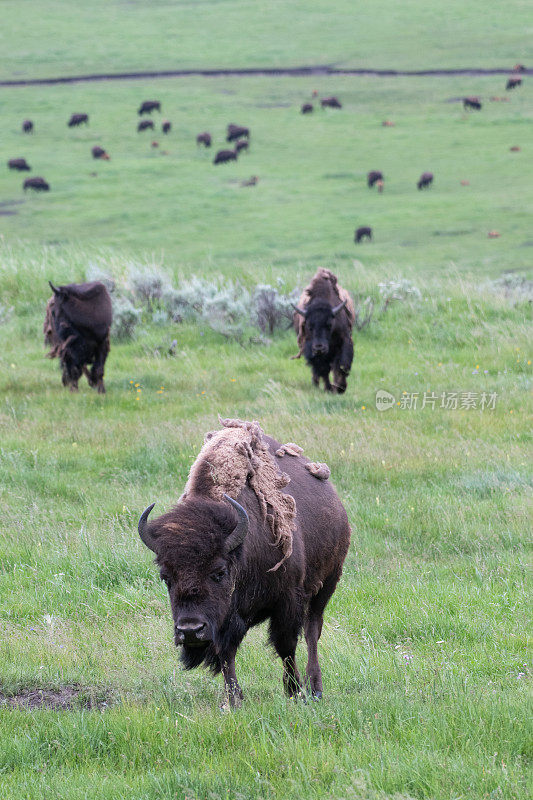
(237, 456)
(289, 449)
(319, 470)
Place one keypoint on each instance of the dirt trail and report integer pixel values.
(320, 70)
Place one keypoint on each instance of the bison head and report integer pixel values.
(319, 320)
(197, 547)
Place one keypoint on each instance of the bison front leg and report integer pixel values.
(234, 693)
(284, 636)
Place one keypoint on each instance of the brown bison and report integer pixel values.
(472, 102)
(307, 108)
(76, 328)
(330, 102)
(323, 321)
(362, 233)
(99, 152)
(166, 126)
(19, 164)
(27, 126)
(273, 551)
(373, 176)
(204, 138)
(425, 180)
(237, 132)
(512, 83)
(38, 184)
(144, 125)
(242, 144)
(78, 119)
(225, 155)
(148, 106)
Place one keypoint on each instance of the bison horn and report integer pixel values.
(238, 535)
(144, 533)
(299, 310)
(336, 310)
(54, 288)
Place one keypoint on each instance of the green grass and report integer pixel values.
(426, 647)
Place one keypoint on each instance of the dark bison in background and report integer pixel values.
(166, 126)
(242, 144)
(204, 138)
(274, 553)
(373, 177)
(148, 106)
(78, 119)
(323, 321)
(99, 152)
(27, 126)
(235, 132)
(362, 233)
(330, 102)
(307, 108)
(145, 124)
(425, 180)
(19, 164)
(472, 102)
(38, 184)
(512, 83)
(225, 155)
(76, 328)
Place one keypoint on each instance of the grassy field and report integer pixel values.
(426, 648)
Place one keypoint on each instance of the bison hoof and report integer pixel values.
(316, 696)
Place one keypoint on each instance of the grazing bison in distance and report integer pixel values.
(27, 126)
(330, 102)
(19, 164)
(76, 328)
(144, 125)
(78, 119)
(237, 132)
(512, 83)
(204, 138)
(99, 152)
(472, 102)
(323, 321)
(242, 144)
(425, 180)
(373, 177)
(166, 126)
(307, 108)
(148, 106)
(38, 184)
(225, 155)
(275, 553)
(362, 233)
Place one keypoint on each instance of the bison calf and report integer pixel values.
(363, 233)
(19, 164)
(37, 184)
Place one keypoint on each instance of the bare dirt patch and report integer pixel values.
(64, 698)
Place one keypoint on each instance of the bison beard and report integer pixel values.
(218, 556)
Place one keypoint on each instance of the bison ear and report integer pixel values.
(338, 308)
(144, 530)
(238, 535)
(299, 310)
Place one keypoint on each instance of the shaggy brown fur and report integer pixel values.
(237, 456)
(324, 283)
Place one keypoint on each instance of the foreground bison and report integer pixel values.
(425, 180)
(76, 328)
(275, 552)
(148, 106)
(323, 321)
(78, 119)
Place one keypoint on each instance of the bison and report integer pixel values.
(204, 138)
(330, 102)
(242, 144)
(166, 126)
(27, 126)
(76, 328)
(274, 551)
(225, 155)
(148, 106)
(99, 152)
(237, 132)
(425, 180)
(19, 164)
(144, 125)
(307, 108)
(323, 321)
(78, 119)
(362, 233)
(373, 176)
(472, 102)
(38, 184)
(512, 83)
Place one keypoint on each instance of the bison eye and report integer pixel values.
(218, 575)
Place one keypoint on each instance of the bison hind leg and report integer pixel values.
(313, 629)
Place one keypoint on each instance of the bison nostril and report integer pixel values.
(189, 630)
